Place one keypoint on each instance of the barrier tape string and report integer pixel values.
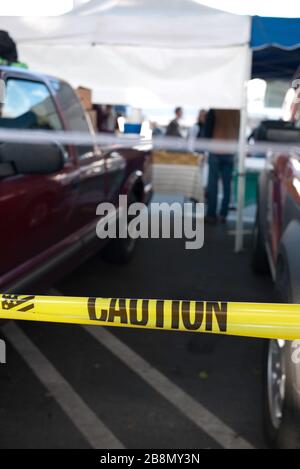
(108, 142)
(261, 320)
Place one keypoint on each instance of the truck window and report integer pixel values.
(73, 113)
(28, 105)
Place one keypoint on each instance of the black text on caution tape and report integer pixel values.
(186, 315)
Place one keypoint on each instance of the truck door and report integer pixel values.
(90, 160)
(36, 211)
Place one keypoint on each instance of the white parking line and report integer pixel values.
(84, 419)
(187, 405)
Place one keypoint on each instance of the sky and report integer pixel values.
(288, 8)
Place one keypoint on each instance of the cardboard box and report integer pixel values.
(176, 158)
(93, 118)
(85, 96)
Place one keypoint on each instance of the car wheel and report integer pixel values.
(260, 263)
(281, 379)
(281, 396)
(120, 250)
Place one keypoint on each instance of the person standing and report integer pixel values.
(220, 124)
(174, 127)
(156, 130)
(197, 130)
(109, 122)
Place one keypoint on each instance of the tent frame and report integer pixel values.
(242, 147)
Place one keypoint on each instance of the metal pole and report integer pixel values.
(241, 159)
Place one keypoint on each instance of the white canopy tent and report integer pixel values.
(147, 53)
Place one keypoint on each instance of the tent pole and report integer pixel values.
(241, 159)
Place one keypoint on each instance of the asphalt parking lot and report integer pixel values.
(66, 386)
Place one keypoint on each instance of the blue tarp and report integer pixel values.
(279, 32)
(276, 47)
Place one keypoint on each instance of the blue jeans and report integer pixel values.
(220, 166)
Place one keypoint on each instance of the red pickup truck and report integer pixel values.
(49, 193)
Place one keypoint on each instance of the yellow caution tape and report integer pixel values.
(271, 321)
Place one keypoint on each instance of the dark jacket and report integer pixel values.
(173, 129)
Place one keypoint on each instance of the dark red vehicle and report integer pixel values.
(277, 250)
(49, 193)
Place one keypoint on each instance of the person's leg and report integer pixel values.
(212, 186)
(226, 169)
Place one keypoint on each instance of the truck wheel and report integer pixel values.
(260, 264)
(120, 250)
(282, 379)
(281, 397)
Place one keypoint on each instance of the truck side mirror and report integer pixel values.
(29, 158)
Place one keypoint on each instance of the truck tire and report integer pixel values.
(281, 392)
(120, 250)
(259, 262)
(281, 398)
